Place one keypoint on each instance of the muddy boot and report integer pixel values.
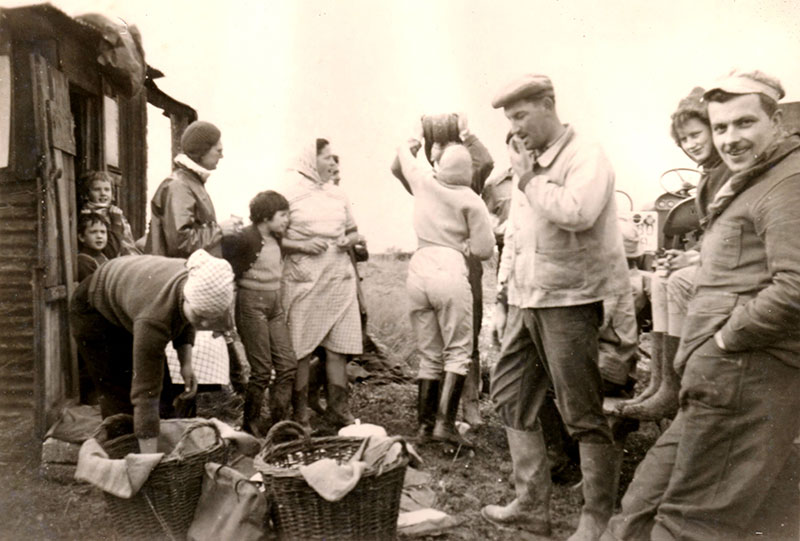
(427, 404)
(316, 383)
(280, 398)
(470, 403)
(444, 429)
(656, 362)
(251, 421)
(663, 404)
(301, 414)
(338, 410)
(530, 510)
(600, 464)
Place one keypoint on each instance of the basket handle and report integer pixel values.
(284, 429)
(204, 423)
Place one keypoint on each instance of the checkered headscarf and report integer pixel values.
(209, 288)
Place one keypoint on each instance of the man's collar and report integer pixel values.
(548, 155)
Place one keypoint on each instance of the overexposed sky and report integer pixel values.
(273, 75)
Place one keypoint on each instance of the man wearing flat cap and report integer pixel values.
(708, 474)
(568, 257)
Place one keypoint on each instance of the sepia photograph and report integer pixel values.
(374, 270)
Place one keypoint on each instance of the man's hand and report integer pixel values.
(678, 259)
(521, 160)
(189, 381)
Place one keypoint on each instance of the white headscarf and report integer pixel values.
(305, 163)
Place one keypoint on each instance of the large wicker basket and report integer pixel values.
(369, 511)
(164, 506)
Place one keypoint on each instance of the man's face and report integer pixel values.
(529, 122)
(694, 137)
(211, 158)
(742, 131)
(201, 322)
(94, 236)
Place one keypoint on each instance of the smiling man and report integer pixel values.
(566, 258)
(708, 474)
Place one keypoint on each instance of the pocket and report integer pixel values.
(559, 269)
(725, 245)
(713, 377)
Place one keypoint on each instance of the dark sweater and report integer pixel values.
(143, 294)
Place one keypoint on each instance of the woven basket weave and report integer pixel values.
(164, 506)
(369, 511)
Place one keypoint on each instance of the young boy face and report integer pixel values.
(100, 192)
(94, 236)
(279, 222)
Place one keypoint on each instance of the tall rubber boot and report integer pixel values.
(663, 404)
(251, 422)
(530, 510)
(301, 414)
(444, 429)
(600, 465)
(470, 401)
(427, 404)
(280, 398)
(316, 383)
(656, 370)
(338, 410)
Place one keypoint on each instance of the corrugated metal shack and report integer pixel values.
(69, 103)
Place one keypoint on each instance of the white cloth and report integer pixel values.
(209, 360)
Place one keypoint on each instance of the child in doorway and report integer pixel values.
(97, 195)
(92, 240)
(451, 223)
(255, 256)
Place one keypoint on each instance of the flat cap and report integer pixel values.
(529, 86)
(748, 82)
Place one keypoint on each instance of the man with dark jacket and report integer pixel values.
(125, 314)
(707, 475)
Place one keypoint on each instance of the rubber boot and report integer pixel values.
(600, 465)
(530, 510)
(663, 404)
(280, 397)
(656, 370)
(427, 404)
(301, 414)
(449, 397)
(316, 382)
(338, 410)
(470, 403)
(251, 422)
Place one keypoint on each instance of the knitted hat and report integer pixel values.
(209, 288)
(455, 166)
(198, 138)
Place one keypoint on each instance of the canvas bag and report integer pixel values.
(230, 507)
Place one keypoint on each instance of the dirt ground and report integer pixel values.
(34, 508)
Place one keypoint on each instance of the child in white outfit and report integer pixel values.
(451, 221)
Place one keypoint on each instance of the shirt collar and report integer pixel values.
(548, 155)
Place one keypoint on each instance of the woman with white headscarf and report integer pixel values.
(319, 283)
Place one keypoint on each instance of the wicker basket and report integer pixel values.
(369, 511)
(164, 506)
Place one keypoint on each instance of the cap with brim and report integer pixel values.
(751, 82)
(530, 86)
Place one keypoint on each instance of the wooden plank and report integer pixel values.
(53, 294)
